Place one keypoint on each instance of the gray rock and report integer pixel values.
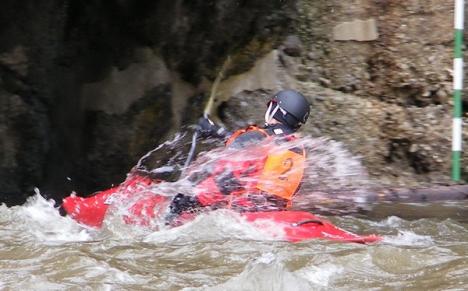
(292, 46)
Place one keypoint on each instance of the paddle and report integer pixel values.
(206, 111)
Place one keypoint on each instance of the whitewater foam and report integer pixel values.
(409, 238)
(39, 218)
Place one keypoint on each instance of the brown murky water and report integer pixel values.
(426, 250)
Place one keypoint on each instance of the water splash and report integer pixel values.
(213, 226)
(390, 222)
(39, 219)
(164, 160)
(409, 238)
(333, 180)
(264, 273)
(321, 275)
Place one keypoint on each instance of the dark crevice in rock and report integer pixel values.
(399, 152)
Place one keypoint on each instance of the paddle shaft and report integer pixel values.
(206, 111)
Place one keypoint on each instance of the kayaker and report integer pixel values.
(266, 182)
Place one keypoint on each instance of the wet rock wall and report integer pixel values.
(86, 88)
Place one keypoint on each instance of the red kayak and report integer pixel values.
(296, 226)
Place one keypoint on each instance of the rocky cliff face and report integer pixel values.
(379, 77)
(86, 88)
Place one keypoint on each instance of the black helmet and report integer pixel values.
(292, 108)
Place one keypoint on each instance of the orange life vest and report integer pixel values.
(283, 169)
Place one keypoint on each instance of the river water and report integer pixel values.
(41, 250)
